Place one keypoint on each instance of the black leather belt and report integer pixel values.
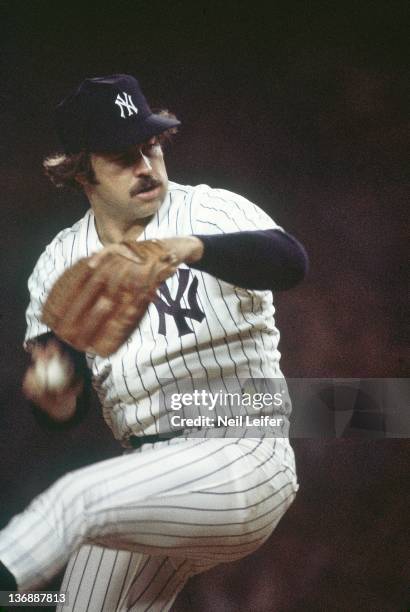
(138, 441)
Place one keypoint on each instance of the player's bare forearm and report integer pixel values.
(270, 259)
(51, 381)
(188, 249)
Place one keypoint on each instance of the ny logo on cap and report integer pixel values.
(126, 102)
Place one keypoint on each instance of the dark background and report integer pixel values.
(301, 107)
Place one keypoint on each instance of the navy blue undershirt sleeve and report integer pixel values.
(262, 259)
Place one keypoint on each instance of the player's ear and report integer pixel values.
(85, 174)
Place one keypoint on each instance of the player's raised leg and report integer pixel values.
(208, 500)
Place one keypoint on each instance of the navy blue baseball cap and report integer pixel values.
(107, 113)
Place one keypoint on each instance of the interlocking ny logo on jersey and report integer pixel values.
(166, 305)
(126, 103)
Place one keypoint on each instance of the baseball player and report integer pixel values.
(183, 497)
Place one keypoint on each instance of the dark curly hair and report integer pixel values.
(63, 170)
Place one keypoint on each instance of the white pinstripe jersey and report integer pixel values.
(200, 328)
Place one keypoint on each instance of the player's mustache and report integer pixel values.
(145, 183)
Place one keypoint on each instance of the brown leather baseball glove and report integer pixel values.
(97, 303)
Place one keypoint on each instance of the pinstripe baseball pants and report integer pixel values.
(137, 526)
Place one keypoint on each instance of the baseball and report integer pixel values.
(53, 374)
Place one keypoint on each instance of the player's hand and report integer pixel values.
(51, 382)
(97, 303)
